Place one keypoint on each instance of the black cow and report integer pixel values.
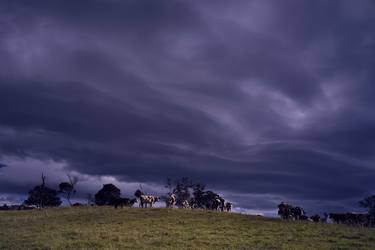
(315, 218)
(228, 206)
(121, 202)
(338, 218)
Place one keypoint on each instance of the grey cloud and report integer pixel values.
(268, 100)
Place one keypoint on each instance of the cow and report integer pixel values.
(284, 210)
(304, 217)
(185, 204)
(357, 219)
(338, 218)
(216, 204)
(222, 204)
(364, 220)
(193, 203)
(297, 212)
(315, 218)
(121, 202)
(171, 201)
(147, 199)
(228, 206)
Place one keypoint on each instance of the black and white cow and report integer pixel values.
(171, 201)
(297, 213)
(148, 199)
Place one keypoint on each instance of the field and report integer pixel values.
(134, 228)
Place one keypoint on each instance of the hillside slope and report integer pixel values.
(134, 228)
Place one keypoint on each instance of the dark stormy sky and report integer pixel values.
(263, 101)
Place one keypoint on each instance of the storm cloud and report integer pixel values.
(261, 100)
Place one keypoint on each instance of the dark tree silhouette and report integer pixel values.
(195, 194)
(209, 197)
(138, 193)
(169, 186)
(43, 196)
(68, 188)
(107, 195)
(183, 190)
(369, 204)
(198, 193)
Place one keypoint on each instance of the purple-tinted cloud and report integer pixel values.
(266, 100)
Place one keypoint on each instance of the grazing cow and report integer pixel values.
(315, 218)
(228, 206)
(77, 204)
(171, 201)
(121, 202)
(148, 199)
(338, 218)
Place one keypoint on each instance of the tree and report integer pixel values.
(182, 190)
(169, 186)
(68, 188)
(369, 204)
(43, 196)
(138, 193)
(198, 193)
(107, 195)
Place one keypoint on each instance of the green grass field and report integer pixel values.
(134, 228)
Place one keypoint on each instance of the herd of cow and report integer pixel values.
(286, 211)
(145, 201)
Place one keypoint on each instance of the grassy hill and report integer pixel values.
(134, 228)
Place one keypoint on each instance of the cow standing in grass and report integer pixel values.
(171, 201)
(185, 204)
(222, 204)
(228, 206)
(193, 203)
(121, 202)
(148, 199)
(284, 210)
(298, 213)
(315, 218)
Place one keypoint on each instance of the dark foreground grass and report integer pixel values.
(108, 228)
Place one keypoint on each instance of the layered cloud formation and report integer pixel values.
(262, 100)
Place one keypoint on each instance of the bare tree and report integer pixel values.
(169, 186)
(43, 180)
(68, 188)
